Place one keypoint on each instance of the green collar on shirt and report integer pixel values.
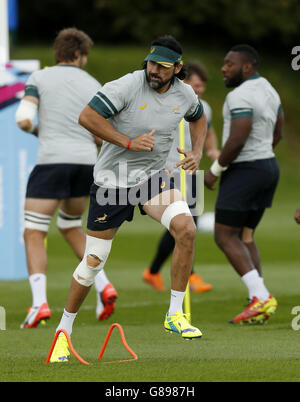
(253, 77)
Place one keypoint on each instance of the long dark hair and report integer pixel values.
(171, 43)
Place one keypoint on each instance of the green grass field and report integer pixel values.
(226, 352)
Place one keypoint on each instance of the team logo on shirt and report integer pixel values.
(101, 219)
(176, 109)
(144, 106)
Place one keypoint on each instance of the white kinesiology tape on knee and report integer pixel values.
(26, 111)
(37, 221)
(97, 249)
(174, 209)
(66, 221)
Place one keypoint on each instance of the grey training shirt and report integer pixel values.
(63, 92)
(134, 108)
(257, 99)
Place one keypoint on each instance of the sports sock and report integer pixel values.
(66, 322)
(101, 281)
(165, 248)
(176, 301)
(38, 289)
(255, 285)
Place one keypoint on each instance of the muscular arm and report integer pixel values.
(278, 130)
(239, 131)
(101, 128)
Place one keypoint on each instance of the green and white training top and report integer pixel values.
(174, 155)
(255, 98)
(63, 92)
(134, 108)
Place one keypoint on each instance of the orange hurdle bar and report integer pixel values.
(135, 357)
(70, 346)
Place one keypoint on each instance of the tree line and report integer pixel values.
(139, 21)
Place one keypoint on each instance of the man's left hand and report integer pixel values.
(190, 162)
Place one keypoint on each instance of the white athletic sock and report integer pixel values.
(38, 289)
(176, 302)
(66, 322)
(101, 281)
(255, 285)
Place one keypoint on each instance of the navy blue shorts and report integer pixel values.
(248, 186)
(109, 208)
(60, 181)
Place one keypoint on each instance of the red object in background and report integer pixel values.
(8, 92)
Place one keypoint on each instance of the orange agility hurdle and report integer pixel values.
(135, 357)
(70, 346)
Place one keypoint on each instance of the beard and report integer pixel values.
(236, 80)
(156, 83)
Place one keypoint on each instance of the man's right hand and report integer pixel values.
(143, 142)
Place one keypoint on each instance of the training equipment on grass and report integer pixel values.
(73, 351)
(187, 297)
(115, 325)
(66, 353)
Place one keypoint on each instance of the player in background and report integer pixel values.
(63, 174)
(253, 122)
(136, 117)
(196, 76)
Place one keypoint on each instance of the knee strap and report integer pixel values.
(174, 209)
(37, 221)
(66, 221)
(95, 256)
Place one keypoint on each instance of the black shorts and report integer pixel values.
(109, 208)
(247, 186)
(60, 181)
(239, 219)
